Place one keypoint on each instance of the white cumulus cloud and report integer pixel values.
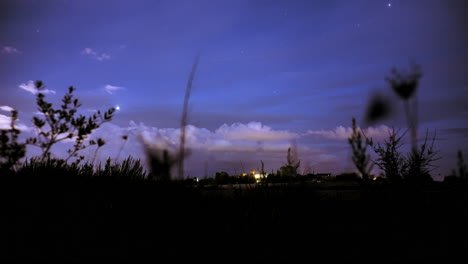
(31, 87)
(6, 108)
(253, 131)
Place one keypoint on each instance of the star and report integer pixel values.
(117, 108)
(389, 4)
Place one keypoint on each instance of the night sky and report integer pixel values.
(271, 74)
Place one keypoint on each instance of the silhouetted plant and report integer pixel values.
(161, 164)
(307, 169)
(420, 162)
(404, 84)
(10, 150)
(100, 142)
(462, 173)
(125, 139)
(183, 125)
(36, 166)
(61, 124)
(360, 157)
(377, 109)
(129, 168)
(390, 160)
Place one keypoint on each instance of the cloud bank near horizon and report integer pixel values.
(229, 147)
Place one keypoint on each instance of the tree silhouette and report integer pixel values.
(292, 165)
(360, 157)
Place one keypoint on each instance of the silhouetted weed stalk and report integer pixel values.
(125, 139)
(404, 84)
(416, 165)
(161, 161)
(183, 125)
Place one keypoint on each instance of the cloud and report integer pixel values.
(31, 87)
(343, 133)
(111, 88)
(5, 122)
(219, 146)
(251, 137)
(95, 55)
(222, 141)
(6, 108)
(10, 50)
(253, 131)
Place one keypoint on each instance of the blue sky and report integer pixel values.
(270, 72)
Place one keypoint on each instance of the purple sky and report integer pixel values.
(270, 72)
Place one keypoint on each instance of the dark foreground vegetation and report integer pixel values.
(77, 219)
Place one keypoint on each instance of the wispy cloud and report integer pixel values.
(31, 87)
(10, 50)
(343, 133)
(95, 55)
(110, 89)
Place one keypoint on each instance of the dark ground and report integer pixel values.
(79, 221)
